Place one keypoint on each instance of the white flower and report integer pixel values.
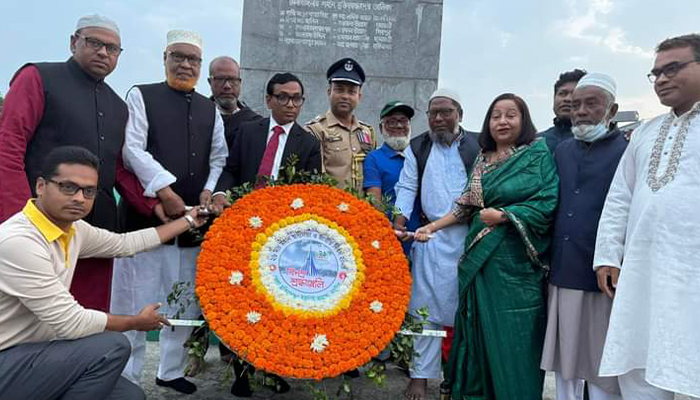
(375, 244)
(236, 277)
(253, 317)
(319, 343)
(297, 203)
(343, 207)
(255, 222)
(376, 306)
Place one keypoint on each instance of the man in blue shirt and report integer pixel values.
(382, 167)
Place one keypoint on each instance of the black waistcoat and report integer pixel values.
(585, 174)
(422, 144)
(80, 111)
(180, 128)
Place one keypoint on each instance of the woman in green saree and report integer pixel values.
(509, 204)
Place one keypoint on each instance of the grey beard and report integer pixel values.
(444, 138)
(227, 104)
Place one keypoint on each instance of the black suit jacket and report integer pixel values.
(248, 148)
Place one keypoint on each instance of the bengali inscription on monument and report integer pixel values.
(366, 26)
(396, 42)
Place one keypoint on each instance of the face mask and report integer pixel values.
(592, 133)
(398, 143)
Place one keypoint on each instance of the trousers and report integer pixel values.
(83, 369)
(428, 363)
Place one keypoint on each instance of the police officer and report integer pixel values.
(345, 140)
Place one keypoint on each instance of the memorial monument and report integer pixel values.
(396, 42)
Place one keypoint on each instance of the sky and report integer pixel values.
(488, 46)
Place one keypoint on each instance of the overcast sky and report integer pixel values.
(488, 46)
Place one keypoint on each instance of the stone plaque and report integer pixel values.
(396, 42)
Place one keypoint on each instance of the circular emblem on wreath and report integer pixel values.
(304, 281)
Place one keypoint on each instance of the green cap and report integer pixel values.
(396, 105)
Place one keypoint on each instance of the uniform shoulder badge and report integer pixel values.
(317, 119)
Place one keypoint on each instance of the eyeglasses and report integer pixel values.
(70, 189)
(180, 58)
(669, 70)
(397, 122)
(443, 112)
(222, 80)
(283, 99)
(96, 45)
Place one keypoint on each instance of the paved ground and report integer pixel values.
(210, 387)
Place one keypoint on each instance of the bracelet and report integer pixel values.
(190, 221)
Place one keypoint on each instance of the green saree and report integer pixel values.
(501, 319)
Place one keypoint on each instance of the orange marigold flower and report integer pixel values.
(280, 342)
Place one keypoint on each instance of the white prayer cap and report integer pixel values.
(187, 37)
(97, 21)
(597, 79)
(444, 92)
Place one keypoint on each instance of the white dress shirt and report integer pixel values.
(151, 174)
(280, 146)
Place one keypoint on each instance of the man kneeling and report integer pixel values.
(50, 346)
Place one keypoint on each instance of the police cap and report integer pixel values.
(346, 70)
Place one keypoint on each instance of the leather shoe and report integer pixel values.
(182, 385)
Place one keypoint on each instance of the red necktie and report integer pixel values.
(270, 151)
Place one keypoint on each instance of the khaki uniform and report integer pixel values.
(343, 150)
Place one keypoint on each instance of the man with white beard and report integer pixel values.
(383, 166)
(175, 144)
(434, 174)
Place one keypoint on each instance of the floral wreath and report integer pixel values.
(305, 281)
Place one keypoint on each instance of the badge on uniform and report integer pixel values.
(348, 66)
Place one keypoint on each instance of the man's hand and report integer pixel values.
(219, 202)
(173, 205)
(491, 216)
(400, 228)
(607, 279)
(205, 198)
(149, 319)
(159, 212)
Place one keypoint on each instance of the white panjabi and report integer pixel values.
(650, 229)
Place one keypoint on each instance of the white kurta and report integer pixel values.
(435, 262)
(654, 237)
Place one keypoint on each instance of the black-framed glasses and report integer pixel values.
(70, 189)
(443, 112)
(180, 58)
(669, 70)
(397, 122)
(222, 80)
(96, 45)
(283, 99)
